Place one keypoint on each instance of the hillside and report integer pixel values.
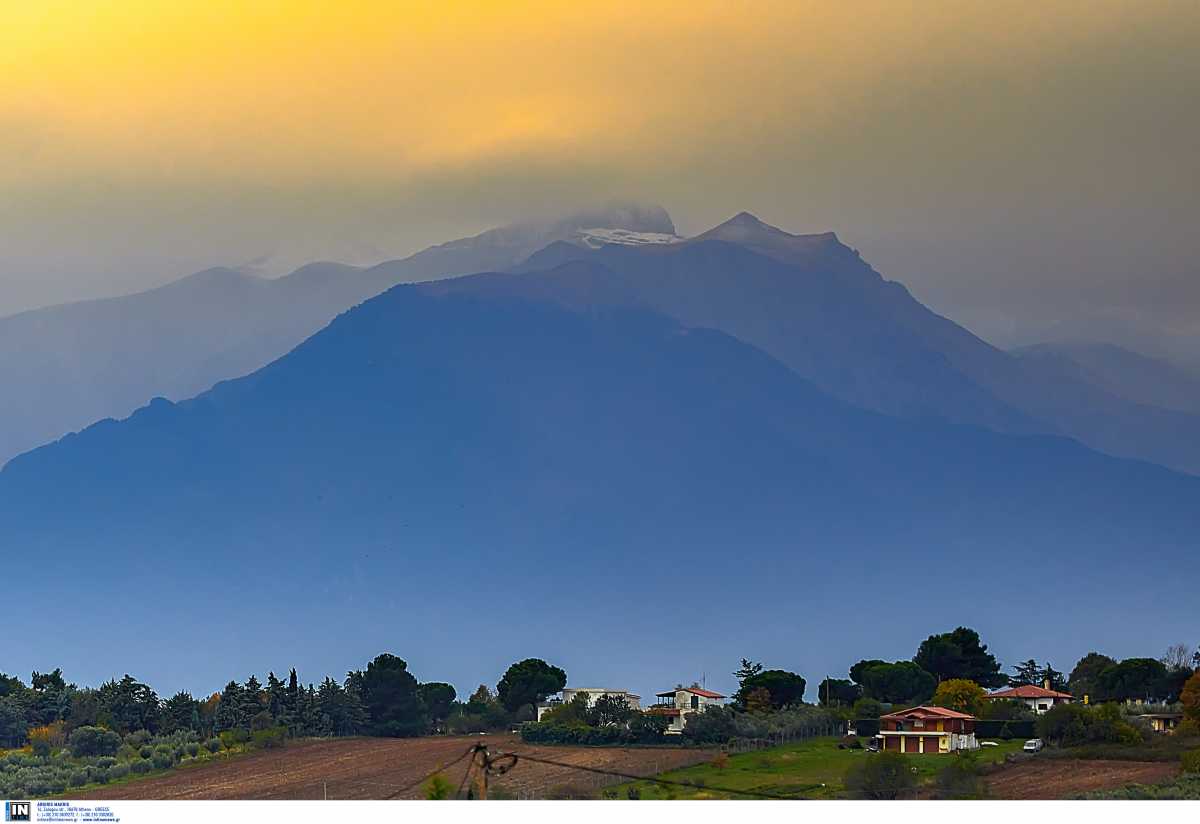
(425, 457)
(812, 302)
(65, 367)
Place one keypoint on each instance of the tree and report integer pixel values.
(867, 708)
(1178, 656)
(901, 682)
(1002, 710)
(1052, 678)
(748, 669)
(785, 687)
(89, 741)
(129, 705)
(959, 654)
(389, 692)
(438, 699)
(1189, 696)
(528, 682)
(1025, 673)
(881, 777)
(838, 692)
(960, 694)
(757, 700)
(1084, 677)
(13, 726)
(179, 712)
(856, 671)
(610, 711)
(1136, 679)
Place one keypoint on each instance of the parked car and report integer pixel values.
(988, 744)
(1033, 745)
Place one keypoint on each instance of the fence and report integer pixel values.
(782, 738)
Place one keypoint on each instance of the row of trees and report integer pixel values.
(384, 699)
(960, 655)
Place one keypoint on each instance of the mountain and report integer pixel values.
(1122, 372)
(67, 366)
(812, 302)
(434, 472)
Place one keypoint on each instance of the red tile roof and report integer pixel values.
(695, 690)
(1028, 691)
(928, 712)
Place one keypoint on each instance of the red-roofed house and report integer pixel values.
(679, 703)
(1038, 699)
(927, 730)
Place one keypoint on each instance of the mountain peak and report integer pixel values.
(746, 229)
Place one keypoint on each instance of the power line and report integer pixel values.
(430, 775)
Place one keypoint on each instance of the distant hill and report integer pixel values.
(1122, 372)
(812, 302)
(485, 468)
(67, 366)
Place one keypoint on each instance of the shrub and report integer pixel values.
(99, 775)
(231, 738)
(192, 749)
(137, 738)
(78, 778)
(146, 751)
(105, 762)
(140, 767)
(118, 771)
(213, 745)
(885, 776)
(162, 760)
(1191, 761)
(960, 779)
(437, 788)
(270, 738)
(89, 741)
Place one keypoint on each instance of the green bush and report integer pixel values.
(213, 745)
(960, 779)
(883, 776)
(118, 771)
(162, 760)
(89, 741)
(145, 751)
(77, 778)
(105, 762)
(231, 738)
(192, 749)
(1191, 761)
(140, 767)
(137, 738)
(270, 738)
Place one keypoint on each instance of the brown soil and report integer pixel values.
(1044, 778)
(375, 768)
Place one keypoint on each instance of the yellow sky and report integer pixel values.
(272, 89)
(961, 144)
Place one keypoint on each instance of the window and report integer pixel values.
(917, 725)
(695, 702)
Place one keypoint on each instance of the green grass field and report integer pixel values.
(812, 769)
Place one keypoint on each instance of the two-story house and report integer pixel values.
(927, 730)
(681, 702)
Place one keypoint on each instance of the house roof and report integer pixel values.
(1161, 715)
(1028, 691)
(694, 690)
(928, 712)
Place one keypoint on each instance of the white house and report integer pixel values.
(679, 703)
(1038, 699)
(593, 695)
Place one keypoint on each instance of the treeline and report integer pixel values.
(961, 655)
(384, 699)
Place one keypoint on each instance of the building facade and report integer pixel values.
(1038, 699)
(680, 703)
(927, 731)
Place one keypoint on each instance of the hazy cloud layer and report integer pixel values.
(1018, 165)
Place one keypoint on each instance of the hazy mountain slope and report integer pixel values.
(1122, 372)
(431, 470)
(817, 306)
(67, 366)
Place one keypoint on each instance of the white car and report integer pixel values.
(1033, 745)
(988, 744)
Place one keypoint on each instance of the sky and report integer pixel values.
(1022, 167)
